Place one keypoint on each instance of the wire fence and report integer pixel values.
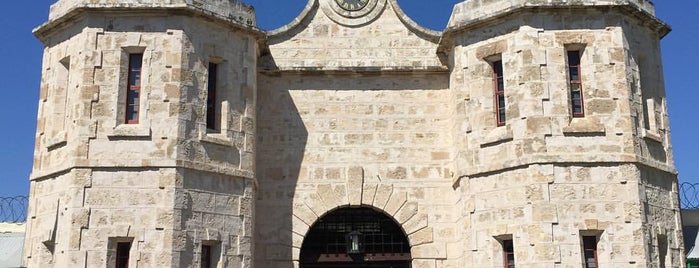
(689, 195)
(13, 209)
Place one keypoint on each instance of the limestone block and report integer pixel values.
(545, 213)
(424, 264)
(415, 223)
(305, 214)
(383, 194)
(369, 193)
(397, 200)
(316, 204)
(355, 186)
(429, 251)
(406, 212)
(330, 196)
(423, 236)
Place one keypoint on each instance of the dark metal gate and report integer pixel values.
(355, 238)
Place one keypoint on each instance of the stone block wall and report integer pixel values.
(582, 176)
(371, 111)
(349, 140)
(167, 184)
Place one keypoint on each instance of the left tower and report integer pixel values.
(145, 138)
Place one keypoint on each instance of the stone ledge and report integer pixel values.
(75, 163)
(127, 131)
(372, 70)
(54, 142)
(652, 135)
(218, 139)
(497, 136)
(584, 127)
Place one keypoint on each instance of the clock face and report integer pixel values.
(352, 5)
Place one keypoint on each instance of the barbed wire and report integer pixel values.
(689, 195)
(13, 209)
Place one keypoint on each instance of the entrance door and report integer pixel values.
(355, 238)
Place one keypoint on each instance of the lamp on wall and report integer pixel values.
(355, 242)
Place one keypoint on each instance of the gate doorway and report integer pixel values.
(355, 238)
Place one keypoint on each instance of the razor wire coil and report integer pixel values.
(13, 209)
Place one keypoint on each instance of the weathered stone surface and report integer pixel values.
(340, 110)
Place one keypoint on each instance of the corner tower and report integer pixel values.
(145, 141)
(564, 152)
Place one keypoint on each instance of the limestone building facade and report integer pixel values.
(175, 133)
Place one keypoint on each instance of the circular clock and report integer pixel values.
(353, 12)
(352, 5)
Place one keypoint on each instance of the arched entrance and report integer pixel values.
(356, 237)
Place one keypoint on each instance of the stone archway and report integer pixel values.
(379, 241)
(309, 207)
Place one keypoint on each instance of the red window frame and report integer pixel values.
(122, 254)
(211, 99)
(577, 101)
(508, 251)
(499, 93)
(590, 251)
(133, 89)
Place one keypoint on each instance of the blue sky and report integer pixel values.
(21, 73)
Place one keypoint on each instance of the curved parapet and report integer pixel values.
(404, 18)
(412, 25)
(312, 4)
(338, 39)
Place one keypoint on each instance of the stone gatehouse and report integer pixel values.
(175, 133)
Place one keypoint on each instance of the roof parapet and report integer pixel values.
(232, 11)
(470, 11)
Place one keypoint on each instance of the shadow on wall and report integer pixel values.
(281, 143)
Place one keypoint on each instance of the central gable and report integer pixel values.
(335, 35)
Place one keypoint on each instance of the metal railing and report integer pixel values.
(13, 209)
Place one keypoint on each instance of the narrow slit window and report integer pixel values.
(211, 99)
(499, 92)
(508, 253)
(662, 251)
(133, 90)
(206, 256)
(575, 84)
(590, 251)
(122, 254)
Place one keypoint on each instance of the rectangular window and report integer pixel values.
(590, 251)
(133, 89)
(662, 250)
(211, 101)
(575, 84)
(206, 256)
(508, 253)
(499, 90)
(122, 254)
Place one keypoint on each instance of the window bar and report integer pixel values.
(590, 251)
(122, 254)
(211, 101)
(499, 88)
(509, 253)
(575, 84)
(133, 90)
